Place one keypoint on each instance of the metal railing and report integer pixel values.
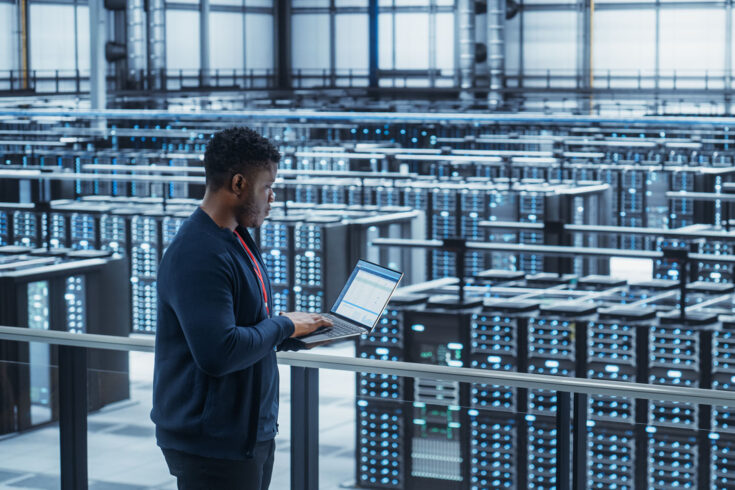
(77, 81)
(304, 399)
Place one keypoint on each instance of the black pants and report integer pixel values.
(200, 473)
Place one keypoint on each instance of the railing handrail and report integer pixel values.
(405, 369)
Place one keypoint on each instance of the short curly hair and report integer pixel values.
(234, 150)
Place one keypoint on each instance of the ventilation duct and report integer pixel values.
(115, 51)
(156, 44)
(135, 40)
(496, 52)
(511, 9)
(466, 11)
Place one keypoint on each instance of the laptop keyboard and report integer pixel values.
(340, 328)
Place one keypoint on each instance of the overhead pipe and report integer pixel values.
(496, 52)
(204, 9)
(97, 62)
(466, 11)
(156, 45)
(135, 41)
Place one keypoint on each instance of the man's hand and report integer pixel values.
(305, 323)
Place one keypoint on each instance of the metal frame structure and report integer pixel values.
(571, 404)
(589, 88)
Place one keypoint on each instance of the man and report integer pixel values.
(215, 381)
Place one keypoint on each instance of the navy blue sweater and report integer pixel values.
(215, 380)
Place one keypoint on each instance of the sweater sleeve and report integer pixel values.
(201, 294)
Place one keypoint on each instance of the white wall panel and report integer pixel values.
(226, 41)
(512, 44)
(412, 41)
(622, 41)
(445, 41)
(8, 58)
(692, 40)
(350, 3)
(352, 46)
(259, 42)
(83, 37)
(309, 3)
(260, 3)
(385, 41)
(182, 40)
(51, 37)
(550, 41)
(310, 41)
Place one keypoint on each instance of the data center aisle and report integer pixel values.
(123, 454)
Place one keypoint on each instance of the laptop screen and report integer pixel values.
(366, 293)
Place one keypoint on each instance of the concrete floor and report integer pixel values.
(123, 454)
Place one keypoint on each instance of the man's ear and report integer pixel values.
(238, 183)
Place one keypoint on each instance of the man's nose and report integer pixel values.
(272, 196)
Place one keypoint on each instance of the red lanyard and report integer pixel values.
(257, 271)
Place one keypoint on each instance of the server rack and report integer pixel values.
(616, 350)
(382, 406)
(438, 434)
(498, 436)
(555, 339)
(678, 432)
(722, 437)
(75, 291)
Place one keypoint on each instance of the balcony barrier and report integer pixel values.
(571, 409)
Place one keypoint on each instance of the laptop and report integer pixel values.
(359, 305)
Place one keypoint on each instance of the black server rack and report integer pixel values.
(617, 351)
(632, 202)
(74, 291)
(499, 341)
(24, 225)
(443, 225)
(316, 243)
(381, 402)
(145, 247)
(387, 195)
(503, 207)
(555, 338)
(310, 258)
(437, 438)
(276, 242)
(677, 432)
(722, 435)
(474, 209)
(531, 209)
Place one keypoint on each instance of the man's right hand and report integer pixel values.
(305, 323)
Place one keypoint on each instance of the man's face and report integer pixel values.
(255, 203)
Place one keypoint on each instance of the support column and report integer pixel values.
(373, 42)
(25, 54)
(97, 63)
(283, 44)
(204, 43)
(728, 55)
(521, 59)
(432, 43)
(584, 54)
(657, 57)
(304, 428)
(496, 52)
(156, 45)
(332, 43)
(466, 42)
(73, 416)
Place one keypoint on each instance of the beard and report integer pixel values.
(250, 215)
